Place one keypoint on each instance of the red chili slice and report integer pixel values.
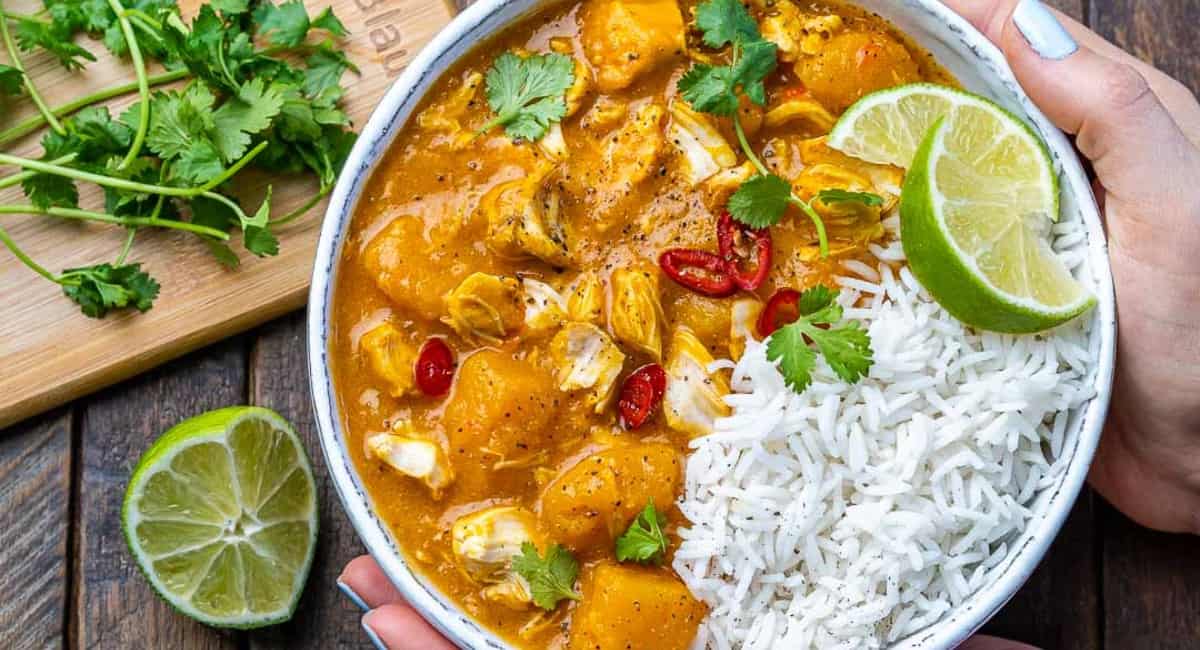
(781, 309)
(641, 394)
(700, 271)
(434, 368)
(740, 243)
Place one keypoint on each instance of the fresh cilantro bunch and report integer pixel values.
(171, 160)
(845, 346)
(644, 540)
(761, 201)
(526, 93)
(551, 578)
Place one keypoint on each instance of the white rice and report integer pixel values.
(853, 516)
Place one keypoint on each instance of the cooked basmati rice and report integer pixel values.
(853, 516)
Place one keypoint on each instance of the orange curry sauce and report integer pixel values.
(528, 440)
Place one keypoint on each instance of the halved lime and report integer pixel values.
(977, 205)
(221, 516)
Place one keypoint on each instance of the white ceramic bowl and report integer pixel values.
(978, 65)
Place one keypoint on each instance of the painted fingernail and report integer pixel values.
(1043, 31)
(354, 597)
(372, 636)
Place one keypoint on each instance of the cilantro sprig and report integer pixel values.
(551, 578)
(173, 158)
(644, 540)
(527, 93)
(845, 346)
(762, 200)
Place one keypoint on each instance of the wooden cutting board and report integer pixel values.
(50, 353)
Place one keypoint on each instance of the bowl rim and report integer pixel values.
(375, 139)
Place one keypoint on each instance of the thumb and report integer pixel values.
(1121, 125)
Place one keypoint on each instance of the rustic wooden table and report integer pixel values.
(67, 579)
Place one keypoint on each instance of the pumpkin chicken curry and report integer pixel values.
(543, 270)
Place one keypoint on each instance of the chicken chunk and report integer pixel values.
(391, 358)
(634, 607)
(796, 33)
(485, 306)
(853, 64)
(593, 501)
(801, 108)
(484, 544)
(636, 147)
(587, 360)
(524, 218)
(636, 316)
(624, 39)
(501, 409)
(545, 308)
(695, 397)
(702, 147)
(743, 325)
(582, 86)
(405, 451)
(585, 304)
(445, 117)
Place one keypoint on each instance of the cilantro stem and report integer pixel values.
(25, 259)
(822, 238)
(15, 16)
(139, 68)
(126, 247)
(294, 214)
(17, 179)
(88, 215)
(36, 122)
(29, 86)
(741, 135)
(132, 186)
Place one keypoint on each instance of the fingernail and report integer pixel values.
(354, 597)
(372, 636)
(1043, 31)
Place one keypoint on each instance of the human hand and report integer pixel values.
(390, 622)
(1140, 129)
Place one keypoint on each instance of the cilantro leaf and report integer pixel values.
(707, 89)
(246, 114)
(329, 22)
(12, 81)
(286, 24)
(102, 288)
(835, 195)
(757, 60)
(324, 71)
(761, 201)
(846, 348)
(34, 34)
(47, 190)
(230, 7)
(550, 579)
(644, 540)
(526, 93)
(724, 22)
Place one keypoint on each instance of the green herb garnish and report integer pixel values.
(172, 159)
(846, 347)
(550, 579)
(846, 196)
(526, 93)
(761, 201)
(644, 541)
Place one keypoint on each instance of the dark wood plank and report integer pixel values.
(35, 495)
(1164, 33)
(279, 380)
(114, 605)
(1150, 578)
(1060, 605)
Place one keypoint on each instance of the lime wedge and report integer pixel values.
(977, 205)
(221, 516)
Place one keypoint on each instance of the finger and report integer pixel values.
(981, 642)
(1136, 147)
(399, 627)
(990, 18)
(363, 577)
